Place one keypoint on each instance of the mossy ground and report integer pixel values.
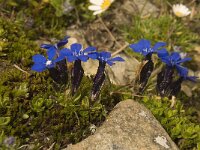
(40, 113)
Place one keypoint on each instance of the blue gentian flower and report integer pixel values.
(144, 47)
(175, 60)
(76, 53)
(106, 57)
(57, 45)
(184, 75)
(165, 81)
(175, 86)
(41, 63)
(57, 70)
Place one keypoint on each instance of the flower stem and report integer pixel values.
(109, 32)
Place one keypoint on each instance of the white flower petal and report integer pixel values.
(99, 6)
(94, 7)
(98, 12)
(96, 2)
(180, 10)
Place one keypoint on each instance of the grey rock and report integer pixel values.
(123, 73)
(125, 9)
(130, 126)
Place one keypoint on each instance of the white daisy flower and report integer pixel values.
(99, 6)
(180, 10)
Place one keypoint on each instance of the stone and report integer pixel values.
(130, 126)
(124, 10)
(123, 73)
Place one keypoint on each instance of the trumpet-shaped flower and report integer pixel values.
(41, 63)
(180, 10)
(175, 86)
(106, 57)
(165, 77)
(76, 53)
(99, 6)
(144, 47)
(174, 60)
(57, 45)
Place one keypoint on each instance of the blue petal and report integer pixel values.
(105, 54)
(192, 78)
(166, 60)
(136, 48)
(158, 45)
(141, 46)
(76, 47)
(60, 58)
(83, 58)
(162, 53)
(145, 43)
(116, 59)
(46, 46)
(184, 60)
(65, 52)
(51, 53)
(182, 70)
(39, 59)
(175, 56)
(93, 55)
(38, 67)
(89, 49)
(71, 58)
(110, 63)
(63, 42)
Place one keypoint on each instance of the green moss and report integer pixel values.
(181, 124)
(34, 108)
(15, 46)
(50, 18)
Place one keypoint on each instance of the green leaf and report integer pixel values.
(4, 121)
(85, 102)
(57, 4)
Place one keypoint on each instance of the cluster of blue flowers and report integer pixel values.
(165, 79)
(41, 63)
(57, 56)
